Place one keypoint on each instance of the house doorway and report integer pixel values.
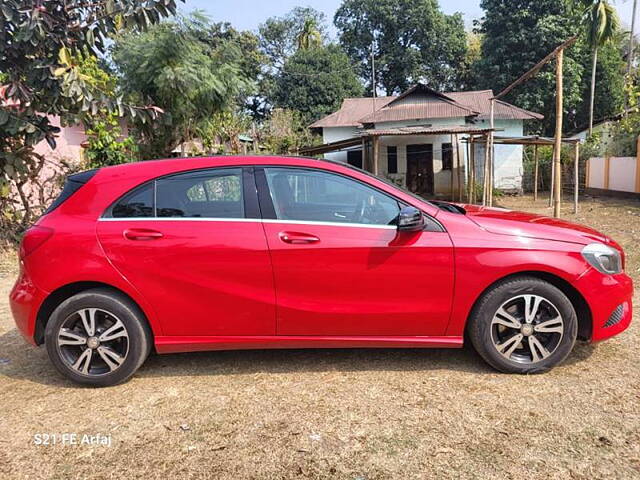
(420, 169)
(354, 158)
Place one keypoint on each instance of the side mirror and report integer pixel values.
(410, 219)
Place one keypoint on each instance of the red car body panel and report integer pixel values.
(203, 277)
(226, 284)
(343, 284)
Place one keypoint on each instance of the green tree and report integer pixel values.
(516, 35)
(309, 36)
(38, 54)
(412, 41)
(602, 24)
(106, 144)
(171, 66)
(285, 132)
(314, 82)
(279, 35)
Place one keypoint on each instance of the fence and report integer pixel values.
(613, 175)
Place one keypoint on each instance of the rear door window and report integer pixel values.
(138, 203)
(211, 194)
(216, 193)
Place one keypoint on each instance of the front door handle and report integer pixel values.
(141, 234)
(298, 238)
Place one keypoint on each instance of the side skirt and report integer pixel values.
(176, 344)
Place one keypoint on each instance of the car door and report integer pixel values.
(341, 267)
(193, 245)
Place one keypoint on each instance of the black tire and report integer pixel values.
(135, 344)
(484, 333)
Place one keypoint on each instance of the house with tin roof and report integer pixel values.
(424, 140)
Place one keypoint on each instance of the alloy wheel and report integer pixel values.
(527, 329)
(93, 341)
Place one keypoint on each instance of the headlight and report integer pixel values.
(603, 258)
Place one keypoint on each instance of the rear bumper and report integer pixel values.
(610, 300)
(25, 300)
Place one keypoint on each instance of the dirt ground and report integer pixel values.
(343, 414)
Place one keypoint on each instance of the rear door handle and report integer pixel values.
(298, 238)
(141, 234)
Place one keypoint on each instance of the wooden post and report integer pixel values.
(469, 174)
(376, 151)
(491, 151)
(458, 170)
(451, 172)
(557, 187)
(553, 176)
(576, 177)
(487, 173)
(535, 172)
(472, 170)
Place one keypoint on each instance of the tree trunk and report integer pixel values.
(593, 88)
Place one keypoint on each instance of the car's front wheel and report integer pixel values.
(97, 337)
(523, 325)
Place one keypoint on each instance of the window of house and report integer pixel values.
(392, 159)
(308, 195)
(447, 156)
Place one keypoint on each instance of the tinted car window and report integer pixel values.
(324, 197)
(212, 194)
(138, 203)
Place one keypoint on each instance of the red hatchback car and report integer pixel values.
(270, 252)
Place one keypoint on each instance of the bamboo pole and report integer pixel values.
(458, 170)
(376, 148)
(451, 171)
(472, 170)
(491, 151)
(535, 172)
(576, 180)
(468, 169)
(485, 183)
(553, 176)
(557, 188)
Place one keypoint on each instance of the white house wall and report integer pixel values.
(335, 134)
(508, 158)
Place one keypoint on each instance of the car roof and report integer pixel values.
(130, 175)
(190, 163)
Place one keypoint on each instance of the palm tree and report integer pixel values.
(309, 36)
(602, 23)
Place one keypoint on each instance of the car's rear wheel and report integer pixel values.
(97, 337)
(523, 325)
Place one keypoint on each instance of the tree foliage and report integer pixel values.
(285, 132)
(412, 41)
(314, 82)
(107, 145)
(39, 47)
(279, 36)
(519, 33)
(176, 66)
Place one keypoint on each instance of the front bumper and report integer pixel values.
(25, 300)
(610, 300)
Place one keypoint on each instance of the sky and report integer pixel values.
(248, 14)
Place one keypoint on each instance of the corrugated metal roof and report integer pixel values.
(351, 111)
(480, 101)
(416, 108)
(417, 104)
(376, 132)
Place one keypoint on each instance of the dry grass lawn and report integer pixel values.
(343, 414)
